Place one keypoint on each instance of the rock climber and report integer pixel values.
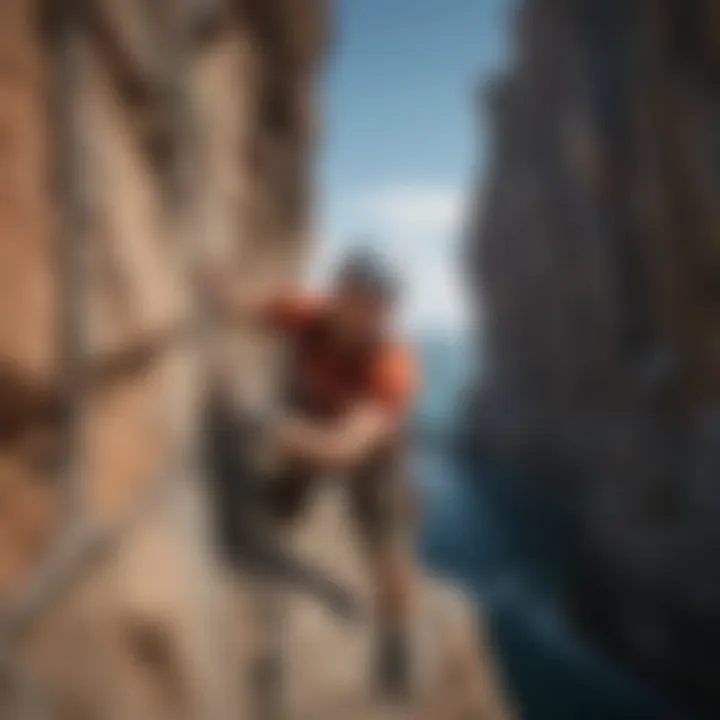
(351, 381)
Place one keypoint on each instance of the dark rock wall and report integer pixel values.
(596, 264)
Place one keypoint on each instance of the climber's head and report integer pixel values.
(366, 290)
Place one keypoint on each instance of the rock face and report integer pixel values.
(597, 265)
(136, 136)
(248, 82)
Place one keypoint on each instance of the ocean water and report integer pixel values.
(550, 670)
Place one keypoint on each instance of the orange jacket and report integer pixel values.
(329, 381)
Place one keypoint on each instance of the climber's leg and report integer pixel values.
(289, 492)
(385, 509)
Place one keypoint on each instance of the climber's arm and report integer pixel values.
(274, 310)
(338, 446)
(370, 423)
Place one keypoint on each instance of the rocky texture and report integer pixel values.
(135, 650)
(327, 664)
(249, 88)
(596, 263)
(173, 129)
(141, 138)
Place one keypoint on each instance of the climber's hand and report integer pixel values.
(338, 446)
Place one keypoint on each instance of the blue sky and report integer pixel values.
(402, 137)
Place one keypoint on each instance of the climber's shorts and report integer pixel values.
(379, 496)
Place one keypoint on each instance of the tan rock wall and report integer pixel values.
(150, 631)
(251, 84)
